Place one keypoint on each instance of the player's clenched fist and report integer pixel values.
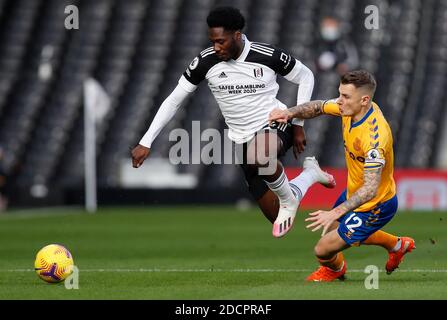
(139, 154)
(279, 115)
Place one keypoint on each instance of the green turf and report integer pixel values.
(207, 253)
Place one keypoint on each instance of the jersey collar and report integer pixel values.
(356, 124)
(246, 49)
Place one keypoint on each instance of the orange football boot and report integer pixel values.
(325, 274)
(395, 258)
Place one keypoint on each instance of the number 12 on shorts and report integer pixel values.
(357, 222)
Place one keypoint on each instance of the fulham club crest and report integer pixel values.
(258, 72)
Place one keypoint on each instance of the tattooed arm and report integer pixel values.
(371, 181)
(306, 110)
(324, 219)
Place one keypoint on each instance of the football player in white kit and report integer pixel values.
(242, 77)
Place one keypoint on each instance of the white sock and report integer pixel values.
(397, 246)
(281, 188)
(302, 183)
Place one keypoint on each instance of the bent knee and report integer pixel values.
(321, 252)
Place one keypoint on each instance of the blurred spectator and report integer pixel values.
(335, 51)
(3, 198)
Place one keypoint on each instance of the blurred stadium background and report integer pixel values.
(137, 50)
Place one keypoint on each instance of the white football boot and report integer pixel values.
(287, 211)
(324, 178)
(286, 216)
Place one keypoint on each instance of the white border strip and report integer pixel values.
(229, 270)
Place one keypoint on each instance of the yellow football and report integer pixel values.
(54, 263)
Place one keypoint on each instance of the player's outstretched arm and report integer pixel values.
(164, 114)
(324, 219)
(371, 181)
(307, 110)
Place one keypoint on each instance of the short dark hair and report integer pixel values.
(360, 78)
(229, 18)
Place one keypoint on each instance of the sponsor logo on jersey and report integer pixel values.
(223, 75)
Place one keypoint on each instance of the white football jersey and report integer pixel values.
(246, 88)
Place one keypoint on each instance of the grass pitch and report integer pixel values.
(207, 253)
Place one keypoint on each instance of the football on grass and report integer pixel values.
(54, 263)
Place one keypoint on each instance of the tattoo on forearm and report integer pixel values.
(307, 110)
(371, 181)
